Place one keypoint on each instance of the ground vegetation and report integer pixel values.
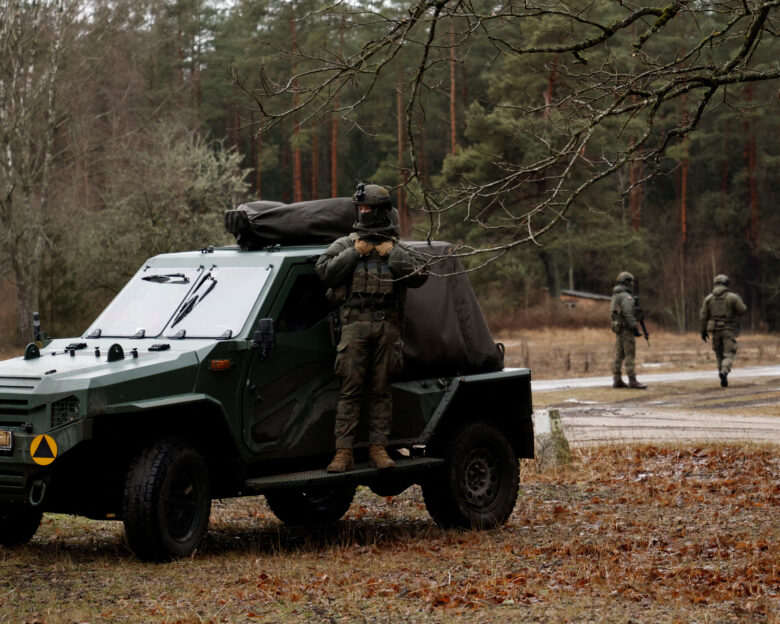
(643, 533)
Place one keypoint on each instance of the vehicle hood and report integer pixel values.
(57, 371)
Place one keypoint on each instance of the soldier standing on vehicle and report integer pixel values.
(719, 315)
(368, 273)
(625, 319)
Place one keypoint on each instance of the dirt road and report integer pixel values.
(679, 406)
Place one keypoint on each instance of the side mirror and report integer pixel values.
(265, 337)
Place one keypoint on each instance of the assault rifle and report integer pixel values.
(640, 317)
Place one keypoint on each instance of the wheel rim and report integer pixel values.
(480, 478)
(181, 515)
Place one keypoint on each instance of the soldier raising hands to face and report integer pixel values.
(368, 273)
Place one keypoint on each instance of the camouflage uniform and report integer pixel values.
(719, 315)
(371, 312)
(624, 324)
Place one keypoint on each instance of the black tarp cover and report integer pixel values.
(445, 331)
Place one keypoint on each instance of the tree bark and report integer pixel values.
(315, 160)
(403, 208)
(296, 146)
(453, 94)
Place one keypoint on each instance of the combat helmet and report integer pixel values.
(721, 279)
(624, 277)
(377, 198)
(371, 195)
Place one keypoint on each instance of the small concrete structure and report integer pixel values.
(584, 300)
(551, 448)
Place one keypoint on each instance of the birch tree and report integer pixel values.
(34, 37)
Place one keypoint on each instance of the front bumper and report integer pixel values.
(23, 477)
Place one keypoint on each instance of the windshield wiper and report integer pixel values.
(188, 305)
(168, 278)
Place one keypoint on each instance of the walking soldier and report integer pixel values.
(719, 315)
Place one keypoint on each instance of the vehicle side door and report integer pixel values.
(290, 396)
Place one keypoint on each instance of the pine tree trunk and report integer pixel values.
(296, 147)
(752, 234)
(453, 96)
(550, 92)
(259, 167)
(724, 171)
(403, 209)
(422, 157)
(285, 167)
(334, 129)
(315, 161)
(634, 194)
(334, 153)
(683, 235)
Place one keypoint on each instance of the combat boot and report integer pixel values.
(633, 383)
(343, 461)
(378, 457)
(617, 381)
(724, 381)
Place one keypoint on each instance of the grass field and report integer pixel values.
(626, 534)
(555, 353)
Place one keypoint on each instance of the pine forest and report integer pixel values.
(554, 142)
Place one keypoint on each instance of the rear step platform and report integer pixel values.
(361, 475)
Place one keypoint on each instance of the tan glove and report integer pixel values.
(384, 248)
(363, 247)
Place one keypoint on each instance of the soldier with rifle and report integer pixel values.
(627, 317)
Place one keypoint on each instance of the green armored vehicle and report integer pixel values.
(210, 376)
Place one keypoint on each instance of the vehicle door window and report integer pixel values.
(305, 306)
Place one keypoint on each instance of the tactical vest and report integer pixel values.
(372, 285)
(721, 313)
(616, 312)
(373, 278)
(719, 308)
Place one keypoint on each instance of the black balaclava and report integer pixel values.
(378, 217)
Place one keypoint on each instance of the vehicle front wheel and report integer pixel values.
(18, 523)
(480, 483)
(167, 501)
(316, 506)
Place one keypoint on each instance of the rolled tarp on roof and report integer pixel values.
(260, 224)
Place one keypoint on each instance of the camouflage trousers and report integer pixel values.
(368, 352)
(625, 349)
(724, 344)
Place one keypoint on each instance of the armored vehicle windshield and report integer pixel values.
(182, 303)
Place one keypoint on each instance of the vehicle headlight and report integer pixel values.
(6, 440)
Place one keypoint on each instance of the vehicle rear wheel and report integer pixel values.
(316, 506)
(480, 483)
(18, 523)
(167, 501)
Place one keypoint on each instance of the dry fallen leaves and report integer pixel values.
(645, 534)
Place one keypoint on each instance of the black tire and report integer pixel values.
(18, 523)
(167, 501)
(480, 483)
(318, 506)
